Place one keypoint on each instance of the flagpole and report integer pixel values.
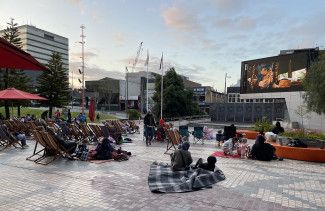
(162, 85)
(147, 79)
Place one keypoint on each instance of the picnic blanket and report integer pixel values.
(222, 155)
(163, 180)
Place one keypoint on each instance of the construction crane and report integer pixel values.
(137, 56)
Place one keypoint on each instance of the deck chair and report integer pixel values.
(88, 133)
(134, 126)
(7, 139)
(104, 131)
(97, 131)
(183, 131)
(51, 146)
(198, 135)
(39, 143)
(172, 140)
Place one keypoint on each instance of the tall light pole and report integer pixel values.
(225, 92)
(126, 91)
(83, 68)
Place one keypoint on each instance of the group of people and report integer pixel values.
(182, 160)
(260, 150)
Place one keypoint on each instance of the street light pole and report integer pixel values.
(83, 68)
(225, 91)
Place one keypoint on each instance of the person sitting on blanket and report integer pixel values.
(209, 166)
(67, 145)
(229, 146)
(181, 158)
(243, 148)
(263, 151)
(106, 151)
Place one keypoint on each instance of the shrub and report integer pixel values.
(134, 114)
(301, 134)
(263, 125)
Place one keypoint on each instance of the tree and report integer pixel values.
(54, 83)
(14, 78)
(314, 85)
(177, 101)
(303, 112)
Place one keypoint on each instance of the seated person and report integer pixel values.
(229, 131)
(243, 148)
(209, 166)
(67, 145)
(22, 138)
(229, 146)
(277, 129)
(181, 158)
(219, 137)
(262, 151)
(104, 150)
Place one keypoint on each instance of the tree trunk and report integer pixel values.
(18, 110)
(50, 111)
(6, 80)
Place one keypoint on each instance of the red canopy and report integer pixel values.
(15, 58)
(91, 113)
(15, 94)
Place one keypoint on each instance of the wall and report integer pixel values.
(293, 101)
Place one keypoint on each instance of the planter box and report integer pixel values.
(306, 154)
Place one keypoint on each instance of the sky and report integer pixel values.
(201, 39)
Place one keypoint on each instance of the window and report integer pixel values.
(48, 37)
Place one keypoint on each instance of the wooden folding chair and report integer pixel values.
(171, 140)
(52, 146)
(7, 139)
(39, 142)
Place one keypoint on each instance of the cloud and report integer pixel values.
(119, 39)
(77, 56)
(237, 23)
(176, 17)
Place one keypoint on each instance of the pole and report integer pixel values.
(72, 89)
(147, 79)
(162, 86)
(126, 92)
(83, 69)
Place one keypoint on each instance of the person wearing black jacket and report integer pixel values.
(149, 127)
(263, 151)
(277, 129)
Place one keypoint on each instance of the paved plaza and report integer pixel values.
(79, 185)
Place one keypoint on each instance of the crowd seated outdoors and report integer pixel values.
(70, 138)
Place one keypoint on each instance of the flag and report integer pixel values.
(147, 60)
(161, 61)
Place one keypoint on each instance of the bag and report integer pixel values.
(297, 143)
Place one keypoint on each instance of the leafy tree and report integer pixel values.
(14, 78)
(314, 85)
(177, 101)
(54, 83)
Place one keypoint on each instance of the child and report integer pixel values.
(243, 148)
(209, 166)
(219, 137)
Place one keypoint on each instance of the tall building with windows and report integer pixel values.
(41, 44)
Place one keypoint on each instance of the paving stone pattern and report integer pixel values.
(79, 185)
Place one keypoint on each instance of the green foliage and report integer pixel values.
(177, 101)
(314, 85)
(263, 125)
(53, 83)
(11, 34)
(134, 114)
(301, 134)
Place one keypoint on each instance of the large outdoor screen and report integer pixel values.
(274, 74)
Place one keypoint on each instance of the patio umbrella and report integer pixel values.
(91, 113)
(16, 94)
(15, 58)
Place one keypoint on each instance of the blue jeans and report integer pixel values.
(22, 138)
(149, 132)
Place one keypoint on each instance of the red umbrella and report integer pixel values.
(15, 94)
(15, 58)
(91, 113)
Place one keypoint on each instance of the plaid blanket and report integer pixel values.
(163, 179)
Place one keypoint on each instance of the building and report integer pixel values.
(206, 95)
(106, 92)
(271, 88)
(41, 44)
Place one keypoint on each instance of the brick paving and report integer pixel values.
(78, 185)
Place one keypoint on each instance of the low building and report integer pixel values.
(206, 95)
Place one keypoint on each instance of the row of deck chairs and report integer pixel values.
(7, 139)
